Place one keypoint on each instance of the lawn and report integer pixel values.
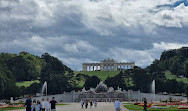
(12, 108)
(100, 74)
(62, 104)
(169, 75)
(136, 107)
(26, 83)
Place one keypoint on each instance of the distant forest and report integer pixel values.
(27, 67)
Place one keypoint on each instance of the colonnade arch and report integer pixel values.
(107, 65)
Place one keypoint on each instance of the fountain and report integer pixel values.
(44, 86)
(153, 88)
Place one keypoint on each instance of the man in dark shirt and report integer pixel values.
(53, 103)
(28, 103)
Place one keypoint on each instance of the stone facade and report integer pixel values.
(107, 65)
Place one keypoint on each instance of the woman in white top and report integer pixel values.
(48, 105)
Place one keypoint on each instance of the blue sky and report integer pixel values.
(78, 31)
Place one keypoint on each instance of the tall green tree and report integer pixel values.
(91, 82)
(56, 74)
(142, 79)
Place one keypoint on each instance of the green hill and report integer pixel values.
(100, 74)
(26, 83)
(171, 76)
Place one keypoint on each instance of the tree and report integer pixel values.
(155, 70)
(171, 86)
(91, 82)
(186, 89)
(116, 81)
(142, 80)
(56, 74)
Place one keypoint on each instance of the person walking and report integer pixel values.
(95, 104)
(43, 105)
(28, 103)
(48, 106)
(91, 104)
(145, 104)
(86, 104)
(53, 104)
(117, 105)
(82, 104)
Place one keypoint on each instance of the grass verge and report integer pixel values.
(136, 107)
(26, 83)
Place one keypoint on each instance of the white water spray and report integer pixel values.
(153, 87)
(44, 86)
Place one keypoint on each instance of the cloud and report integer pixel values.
(167, 46)
(143, 57)
(91, 30)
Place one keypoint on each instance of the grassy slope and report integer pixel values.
(100, 74)
(5, 109)
(169, 75)
(26, 83)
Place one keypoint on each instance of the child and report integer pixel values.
(37, 106)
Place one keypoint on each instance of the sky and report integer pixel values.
(84, 31)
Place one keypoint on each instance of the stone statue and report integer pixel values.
(92, 90)
(84, 90)
(111, 89)
(11, 100)
(118, 89)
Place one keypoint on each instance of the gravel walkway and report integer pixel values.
(77, 107)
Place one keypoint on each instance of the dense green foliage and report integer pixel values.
(91, 82)
(116, 81)
(8, 87)
(100, 74)
(176, 61)
(27, 67)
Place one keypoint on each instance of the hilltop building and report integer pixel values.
(107, 65)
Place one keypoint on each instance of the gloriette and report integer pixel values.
(107, 65)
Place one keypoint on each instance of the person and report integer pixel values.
(48, 105)
(95, 104)
(91, 104)
(53, 104)
(86, 104)
(34, 105)
(82, 104)
(38, 106)
(43, 105)
(117, 105)
(145, 104)
(28, 103)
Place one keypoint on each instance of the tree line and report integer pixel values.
(60, 78)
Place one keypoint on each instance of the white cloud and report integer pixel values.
(79, 31)
(167, 46)
(102, 16)
(143, 57)
(38, 43)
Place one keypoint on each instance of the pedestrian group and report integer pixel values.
(36, 105)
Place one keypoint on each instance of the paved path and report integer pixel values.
(77, 107)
